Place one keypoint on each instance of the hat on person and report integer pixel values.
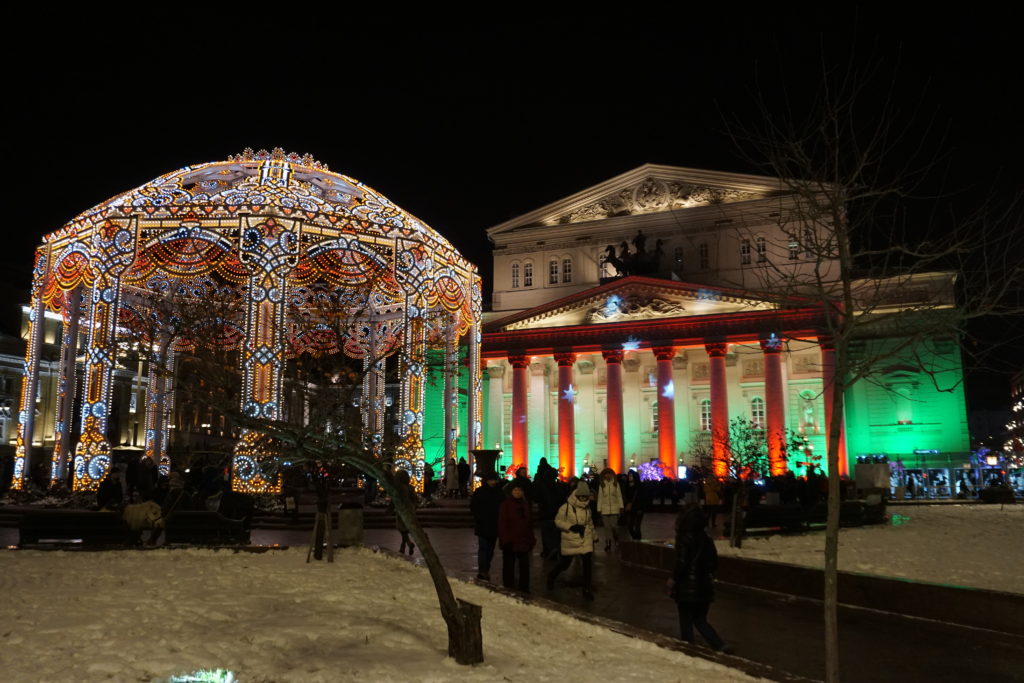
(583, 489)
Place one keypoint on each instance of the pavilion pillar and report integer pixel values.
(373, 399)
(269, 258)
(616, 438)
(520, 431)
(30, 382)
(666, 411)
(719, 408)
(160, 386)
(475, 385)
(828, 382)
(66, 386)
(566, 414)
(775, 405)
(495, 406)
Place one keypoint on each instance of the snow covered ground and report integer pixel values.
(981, 546)
(149, 615)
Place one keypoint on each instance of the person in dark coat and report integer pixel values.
(522, 480)
(110, 495)
(407, 493)
(692, 583)
(515, 534)
(634, 504)
(545, 472)
(484, 505)
(463, 470)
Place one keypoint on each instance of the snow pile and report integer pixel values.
(981, 546)
(150, 615)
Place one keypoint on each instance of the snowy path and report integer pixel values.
(125, 616)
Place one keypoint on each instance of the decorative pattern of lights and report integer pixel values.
(286, 238)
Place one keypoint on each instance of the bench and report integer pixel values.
(203, 527)
(78, 527)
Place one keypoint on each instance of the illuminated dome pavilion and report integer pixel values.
(283, 234)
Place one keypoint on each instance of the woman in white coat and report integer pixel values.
(576, 523)
(609, 504)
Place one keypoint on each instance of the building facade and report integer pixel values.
(633, 320)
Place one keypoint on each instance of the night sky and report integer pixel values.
(467, 124)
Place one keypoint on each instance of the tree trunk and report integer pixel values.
(465, 638)
(736, 517)
(831, 597)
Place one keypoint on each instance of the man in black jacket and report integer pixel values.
(484, 505)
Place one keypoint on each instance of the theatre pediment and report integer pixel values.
(633, 299)
(650, 188)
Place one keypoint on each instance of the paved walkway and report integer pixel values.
(782, 632)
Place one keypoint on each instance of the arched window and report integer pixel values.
(757, 412)
(705, 415)
(528, 274)
(553, 271)
(762, 249)
(567, 270)
(515, 276)
(705, 260)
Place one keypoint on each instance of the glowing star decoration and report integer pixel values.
(569, 394)
(631, 344)
(670, 390)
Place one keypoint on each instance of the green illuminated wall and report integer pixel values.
(433, 410)
(912, 401)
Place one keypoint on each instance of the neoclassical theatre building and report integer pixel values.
(632, 320)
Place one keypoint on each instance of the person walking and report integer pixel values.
(451, 478)
(610, 506)
(463, 472)
(406, 492)
(484, 504)
(692, 583)
(576, 523)
(633, 504)
(515, 534)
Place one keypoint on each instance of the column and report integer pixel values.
(666, 411)
(631, 409)
(566, 413)
(616, 440)
(682, 392)
(66, 385)
(828, 382)
(495, 406)
(539, 409)
(520, 431)
(30, 382)
(719, 408)
(586, 411)
(775, 404)
(156, 392)
(451, 396)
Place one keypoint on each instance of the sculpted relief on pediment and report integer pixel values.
(634, 307)
(653, 195)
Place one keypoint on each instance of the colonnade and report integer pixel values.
(525, 412)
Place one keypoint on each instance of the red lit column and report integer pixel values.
(775, 404)
(616, 441)
(520, 435)
(666, 410)
(566, 413)
(828, 382)
(719, 408)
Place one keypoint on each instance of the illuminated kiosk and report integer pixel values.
(281, 232)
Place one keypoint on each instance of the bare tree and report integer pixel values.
(322, 422)
(892, 294)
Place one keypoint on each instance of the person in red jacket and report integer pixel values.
(515, 537)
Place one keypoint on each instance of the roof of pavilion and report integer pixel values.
(264, 183)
